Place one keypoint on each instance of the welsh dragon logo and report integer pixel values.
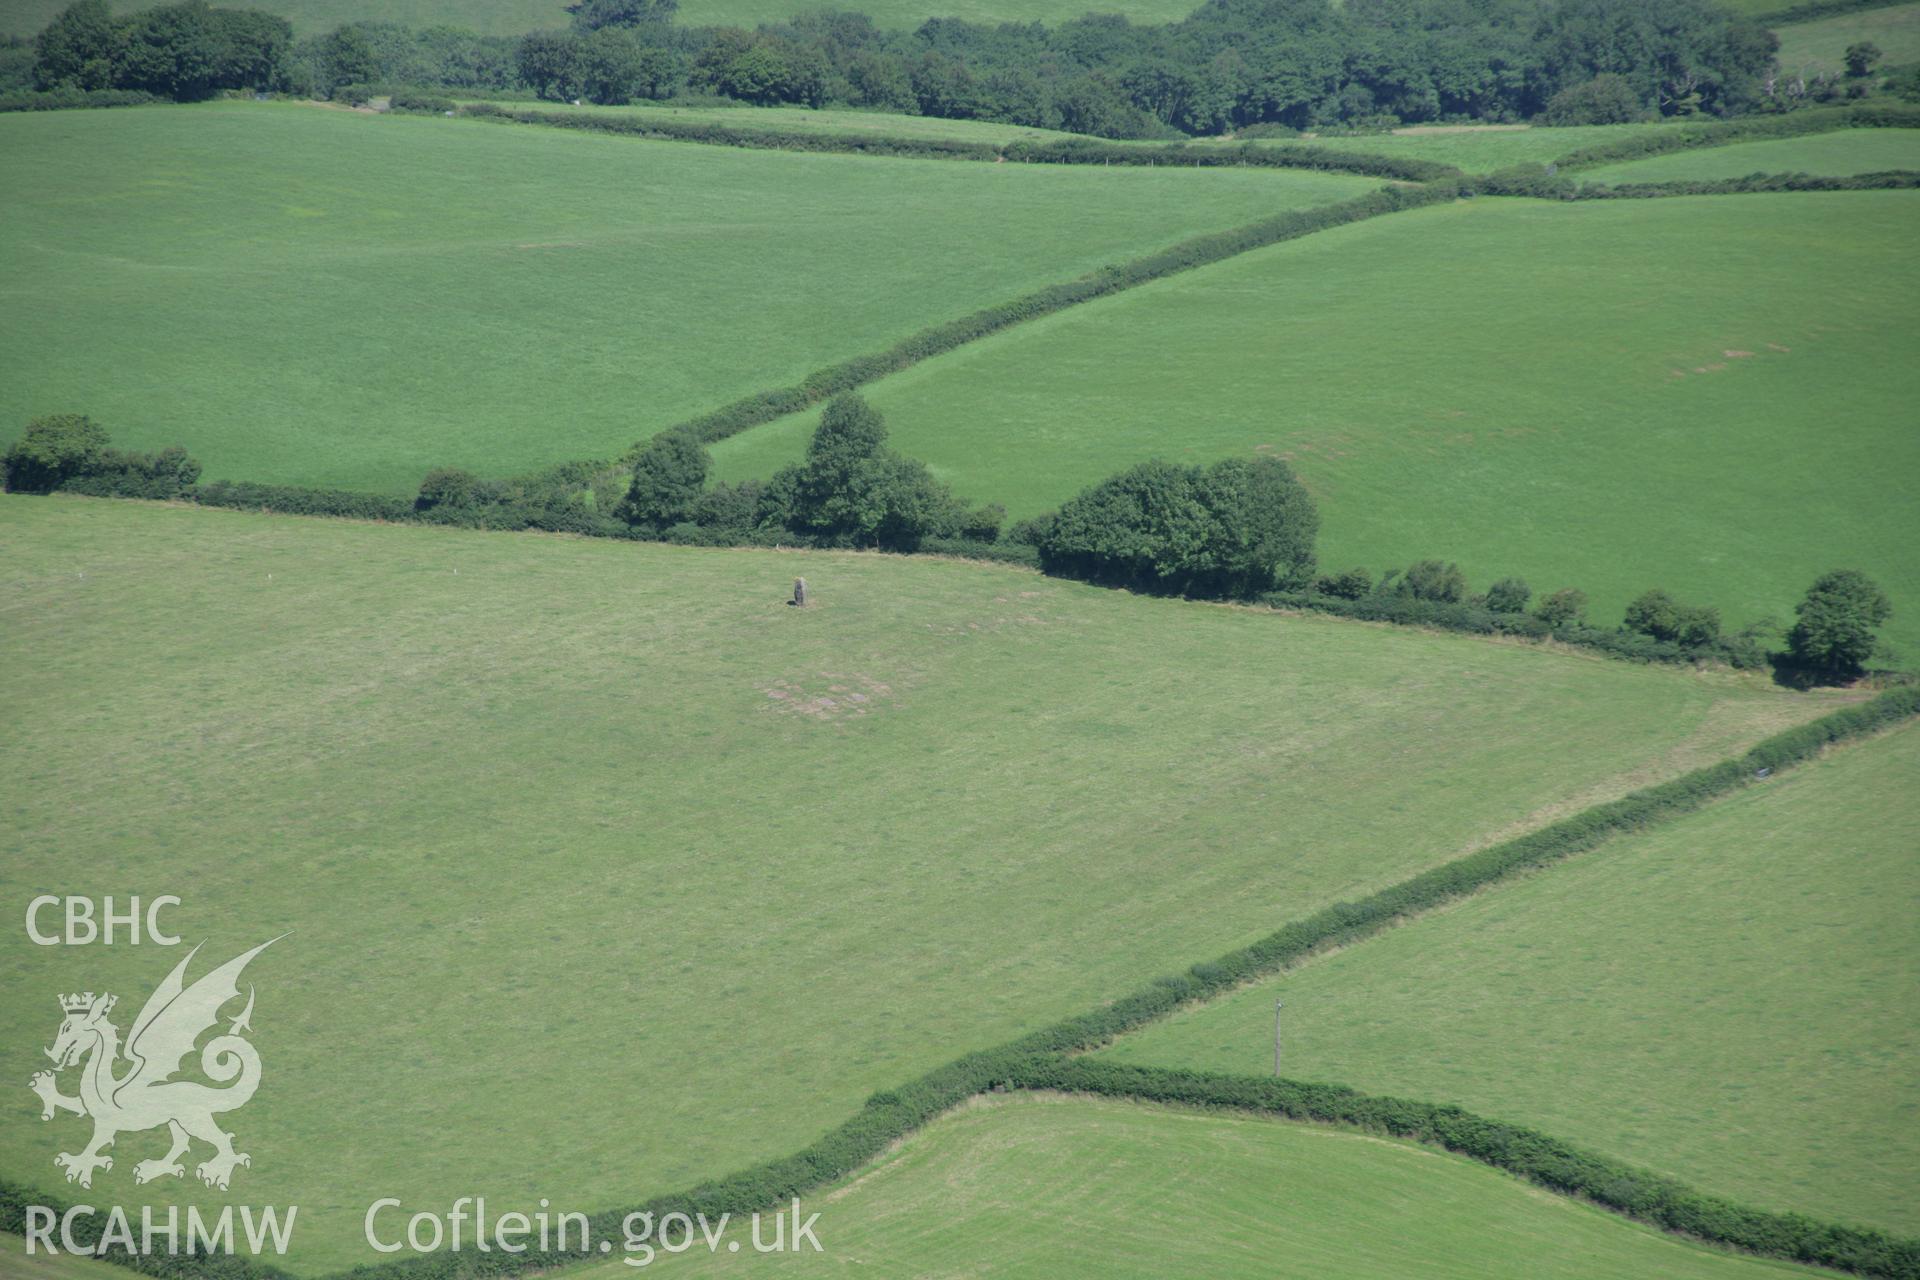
(144, 1095)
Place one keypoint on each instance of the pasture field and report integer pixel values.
(1841, 153)
(1822, 45)
(1035, 1186)
(1481, 149)
(1732, 999)
(806, 120)
(324, 297)
(608, 872)
(61, 1266)
(1503, 383)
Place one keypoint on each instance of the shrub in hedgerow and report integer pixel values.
(1509, 595)
(54, 449)
(1563, 608)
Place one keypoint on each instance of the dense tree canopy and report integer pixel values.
(1834, 632)
(52, 449)
(1234, 529)
(1657, 614)
(185, 51)
(1230, 64)
(668, 479)
(852, 490)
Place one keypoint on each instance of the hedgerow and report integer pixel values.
(1063, 151)
(765, 406)
(1526, 180)
(422, 103)
(1246, 155)
(1475, 618)
(1819, 9)
(1346, 922)
(1226, 532)
(1744, 129)
(1039, 1061)
(72, 99)
(721, 135)
(1543, 1160)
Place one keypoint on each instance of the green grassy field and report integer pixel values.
(1821, 45)
(1050, 1187)
(324, 297)
(608, 872)
(16, 1265)
(1710, 395)
(1731, 999)
(805, 120)
(1846, 151)
(1482, 150)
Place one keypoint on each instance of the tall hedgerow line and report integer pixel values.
(1527, 1153)
(1071, 150)
(1720, 133)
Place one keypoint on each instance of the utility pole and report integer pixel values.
(1278, 1005)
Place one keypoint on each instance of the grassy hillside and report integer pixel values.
(62, 1266)
(1710, 395)
(324, 297)
(1821, 45)
(1846, 151)
(1049, 1187)
(776, 859)
(1731, 999)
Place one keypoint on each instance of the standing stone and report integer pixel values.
(799, 593)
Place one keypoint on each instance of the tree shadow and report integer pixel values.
(1789, 674)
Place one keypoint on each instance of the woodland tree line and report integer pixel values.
(1276, 65)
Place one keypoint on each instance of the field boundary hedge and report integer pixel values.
(1540, 185)
(1039, 1060)
(1821, 9)
(1527, 1153)
(1753, 183)
(1199, 251)
(1064, 151)
(1346, 922)
(1468, 618)
(76, 99)
(1395, 609)
(1720, 133)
